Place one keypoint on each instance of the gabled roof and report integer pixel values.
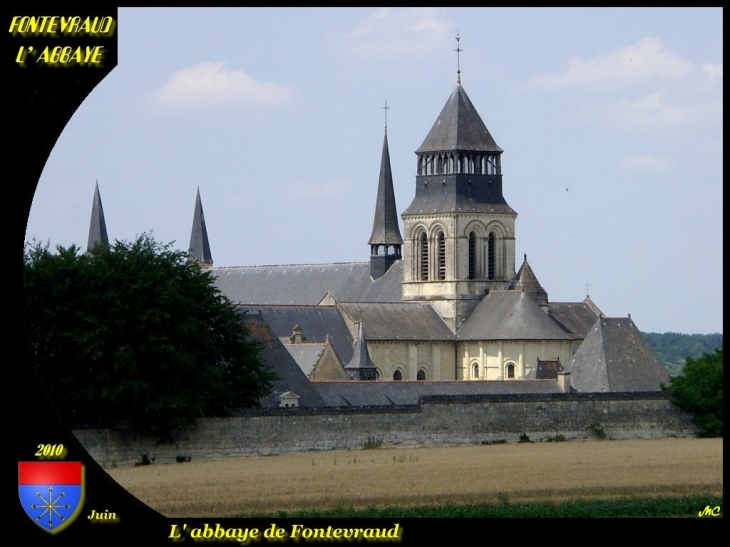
(306, 355)
(199, 248)
(317, 322)
(308, 283)
(459, 127)
(616, 357)
(526, 281)
(275, 356)
(510, 315)
(398, 321)
(97, 226)
(386, 230)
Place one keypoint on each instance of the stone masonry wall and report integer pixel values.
(443, 420)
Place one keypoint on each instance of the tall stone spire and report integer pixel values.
(385, 241)
(97, 226)
(199, 247)
(360, 366)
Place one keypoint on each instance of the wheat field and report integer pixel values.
(523, 472)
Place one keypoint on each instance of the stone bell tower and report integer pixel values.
(459, 230)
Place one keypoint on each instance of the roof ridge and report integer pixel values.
(285, 265)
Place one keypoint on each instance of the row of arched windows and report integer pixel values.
(398, 375)
(445, 163)
(476, 270)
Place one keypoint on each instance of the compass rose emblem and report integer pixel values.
(51, 493)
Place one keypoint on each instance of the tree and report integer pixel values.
(137, 335)
(699, 390)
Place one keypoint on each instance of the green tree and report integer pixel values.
(699, 390)
(137, 335)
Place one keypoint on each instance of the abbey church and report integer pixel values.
(442, 306)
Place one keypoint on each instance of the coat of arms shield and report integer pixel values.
(51, 493)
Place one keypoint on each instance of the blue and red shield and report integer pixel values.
(51, 493)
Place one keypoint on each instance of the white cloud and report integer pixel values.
(212, 84)
(646, 164)
(645, 86)
(646, 59)
(713, 71)
(326, 189)
(657, 111)
(398, 32)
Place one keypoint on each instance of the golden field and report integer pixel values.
(428, 476)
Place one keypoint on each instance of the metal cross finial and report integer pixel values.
(386, 108)
(587, 287)
(458, 50)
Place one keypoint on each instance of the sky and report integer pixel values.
(610, 121)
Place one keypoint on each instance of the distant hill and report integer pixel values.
(673, 348)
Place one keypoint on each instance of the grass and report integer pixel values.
(624, 508)
(467, 477)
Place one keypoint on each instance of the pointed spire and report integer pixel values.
(97, 226)
(386, 230)
(526, 281)
(360, 366)
(199, 247)
(459, 127)
(385, 236)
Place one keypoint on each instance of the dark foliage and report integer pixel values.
(699, 390)
(137, 336)
(673, 348)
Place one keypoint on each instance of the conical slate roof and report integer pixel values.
(459, 127)
(199, 247)
(526, 281)
(510, 315)
(385, 226)
(97, 226)
(360, 356)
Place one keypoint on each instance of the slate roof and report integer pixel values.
(275, 356)
(308, 283)
(97, 226)
(379, 393)
(510, 315)
(546, 369)
(458, 193)
(360, 355)
(398, 321)
(199, 248)
(306, 355)
(616, 357)
(385, 225)
(459, 127)
(316, 321)
(577, 318)
(526, 281)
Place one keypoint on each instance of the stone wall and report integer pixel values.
(442, 420)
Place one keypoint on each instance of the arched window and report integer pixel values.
(397, 376)
(441, 256)
(423, 258)
(421, 376)
(510, 371)
(491, 255)
(475, 370)
(472, 255)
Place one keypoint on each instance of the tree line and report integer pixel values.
(673, 348)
